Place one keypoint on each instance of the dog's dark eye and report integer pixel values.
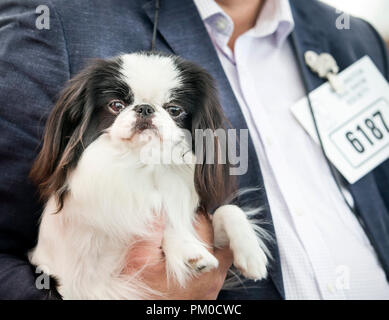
(174, 111)
(116, 106)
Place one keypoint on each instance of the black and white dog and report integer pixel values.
(100, 194)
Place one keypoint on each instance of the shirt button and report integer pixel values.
(269, 141)
(221, 23)
(331, 288)
(299, 212)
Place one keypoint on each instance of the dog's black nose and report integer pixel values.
(144, 110)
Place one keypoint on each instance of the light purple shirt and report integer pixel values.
(324, 252)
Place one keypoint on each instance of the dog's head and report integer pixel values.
(135, 99)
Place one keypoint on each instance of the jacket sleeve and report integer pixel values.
(33, 68)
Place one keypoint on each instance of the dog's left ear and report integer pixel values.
(63, 138)
(213, 181)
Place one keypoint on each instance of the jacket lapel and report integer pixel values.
(307, 38)
(188, 38)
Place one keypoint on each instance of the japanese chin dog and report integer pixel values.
(102, 188)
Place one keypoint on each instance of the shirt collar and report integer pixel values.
(275, 20)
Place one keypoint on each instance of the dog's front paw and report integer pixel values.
(232, 226)
(250, 260)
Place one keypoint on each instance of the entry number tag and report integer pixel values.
(354, 126)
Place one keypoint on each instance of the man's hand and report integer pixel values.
(147, 254)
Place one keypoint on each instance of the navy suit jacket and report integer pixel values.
(35, 64)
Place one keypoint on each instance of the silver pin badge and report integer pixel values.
(326, 67)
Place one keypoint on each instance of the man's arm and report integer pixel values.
(33, 68)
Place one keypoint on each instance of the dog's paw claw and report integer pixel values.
(203, 262)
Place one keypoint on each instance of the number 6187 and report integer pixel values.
(368, 132)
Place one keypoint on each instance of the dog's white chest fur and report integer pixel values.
(128, 193)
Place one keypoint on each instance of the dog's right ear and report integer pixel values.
(62, 142)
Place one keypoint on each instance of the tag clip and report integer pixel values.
(326, 67)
